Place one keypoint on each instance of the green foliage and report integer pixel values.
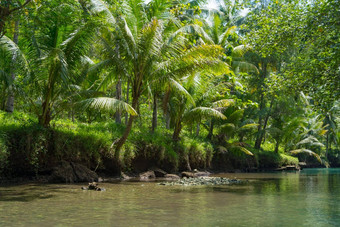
(191, 84)
(268, 159)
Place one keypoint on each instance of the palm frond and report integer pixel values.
(203, 112)
(178, 88)
(192, 29)
(310, 140)
(78, 43)
(10, 52)
(306, 151)
(249, 126)
(224, 36)
(223, 103)
(245, 67)
(99, 6)
(236, 116)
(108, 104)
(242, 149)
(240, 50)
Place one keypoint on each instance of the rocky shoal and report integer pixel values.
(185, 181)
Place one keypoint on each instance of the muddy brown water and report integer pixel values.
(310, 197)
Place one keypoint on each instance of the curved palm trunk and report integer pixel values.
(262, 106)
(10, 99)
(127, 131)
(177, 130)
(127, 101)
(118, 117)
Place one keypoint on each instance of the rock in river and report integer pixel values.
(69, 172)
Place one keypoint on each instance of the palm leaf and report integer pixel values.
(311, 140)
(223, 103)
(249, 126)
(108, 104)
(203, 112)
(237, 147)
(240, 50)
(236, 116)
(306, 151)
(178, 88)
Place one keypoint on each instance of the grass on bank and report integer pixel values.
(27, 148)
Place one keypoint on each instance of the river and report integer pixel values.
(310, 197)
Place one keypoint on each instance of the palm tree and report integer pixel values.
(12, 61)
(56, 50)
(152, 54)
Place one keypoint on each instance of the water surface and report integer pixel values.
(307, 198)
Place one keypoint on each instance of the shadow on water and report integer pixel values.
(31, 192)
(23, 196)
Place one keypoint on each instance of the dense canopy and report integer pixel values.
(246, 84)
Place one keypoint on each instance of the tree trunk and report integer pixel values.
(262, 106)
(198, 129)
(167, 119)
(118, 96)
(127, 101)
(177, 130)
(277, 146)
(126, 133)
(262, 132)
(259, 127)
(10, 98)
(211, 129)
(154, 113)
(188, 163)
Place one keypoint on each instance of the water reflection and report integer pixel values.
(306, 198)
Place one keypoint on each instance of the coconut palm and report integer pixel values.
(56, 49)
(12, 61)
(152, 54)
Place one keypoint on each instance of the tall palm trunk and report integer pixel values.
(167, 119)
(127, 101)
(211, 130)
(262, 106)
(198, 129)
(154, 113)
(118, 117)
(10, 98)
(45, 117)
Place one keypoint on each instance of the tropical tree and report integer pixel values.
(153, 54)
(12, 61)
(56, 48)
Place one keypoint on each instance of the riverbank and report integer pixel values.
(31, 152)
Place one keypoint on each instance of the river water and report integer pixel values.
(307, 198)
